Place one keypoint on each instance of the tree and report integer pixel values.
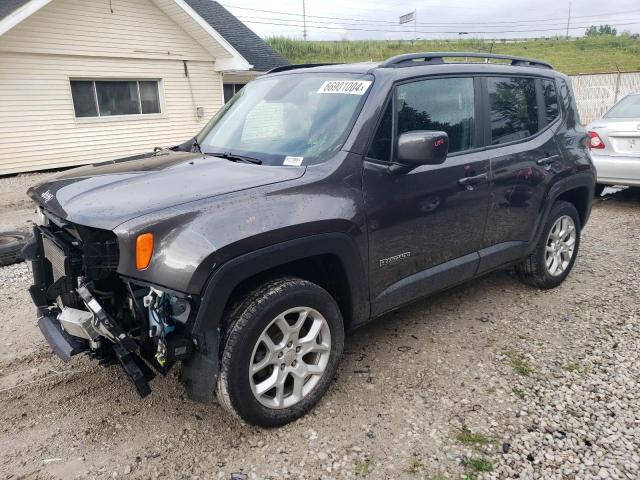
(600, 30)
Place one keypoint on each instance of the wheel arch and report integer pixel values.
(580, 197)
(314, 258)
(329, 251)
(578, 190)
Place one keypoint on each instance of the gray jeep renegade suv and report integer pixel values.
(317, 199)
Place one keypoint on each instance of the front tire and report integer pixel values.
(281, 350)
(553, 258)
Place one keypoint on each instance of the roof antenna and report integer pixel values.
(111, 6)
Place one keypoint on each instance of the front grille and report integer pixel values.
(75, 250)
(56, 257)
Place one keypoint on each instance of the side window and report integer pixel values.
(380, 148)
(513, 108)
(565, 94)
(551, 111)
(440, 104)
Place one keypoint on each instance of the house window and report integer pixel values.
(104, 98)
(230, 89)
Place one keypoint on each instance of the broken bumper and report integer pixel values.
(145, 329)
(66, 345)
(71, 331)
(63, 344)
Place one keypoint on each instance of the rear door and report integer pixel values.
(522, 115)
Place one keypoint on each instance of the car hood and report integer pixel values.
(107, 194)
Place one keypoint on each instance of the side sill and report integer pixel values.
(425, 283)
(501, 254)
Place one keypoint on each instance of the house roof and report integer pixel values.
(9, 6)
(242, 43)
(255, 50)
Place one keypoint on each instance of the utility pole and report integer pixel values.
(304, 21)
(415, 23)
(568, 20)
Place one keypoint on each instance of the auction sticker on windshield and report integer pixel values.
(350, 87)
(293, 161)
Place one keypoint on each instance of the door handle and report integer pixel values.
(469, 182)
(547, 160)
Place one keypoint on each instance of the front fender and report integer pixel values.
(228, 276)
(200, 372)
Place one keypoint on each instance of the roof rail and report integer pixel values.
(295, 66)
(434, 58)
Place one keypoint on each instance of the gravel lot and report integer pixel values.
(492, 379)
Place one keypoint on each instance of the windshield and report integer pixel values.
(296, 119)
(628, 107)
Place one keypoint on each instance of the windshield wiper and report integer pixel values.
(235, 158)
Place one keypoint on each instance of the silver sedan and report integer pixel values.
(614, 142)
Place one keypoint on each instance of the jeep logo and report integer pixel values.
(46, 196)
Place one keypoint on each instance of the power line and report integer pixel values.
(322, 26)
(374, 21)
(249, 18)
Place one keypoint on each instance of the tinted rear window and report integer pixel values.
(513, 108)
(551, 111)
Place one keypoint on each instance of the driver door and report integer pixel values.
(426, 225)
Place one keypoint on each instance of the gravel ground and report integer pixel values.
(491, 379)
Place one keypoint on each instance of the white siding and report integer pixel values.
(136, 29)
(83, 39)
(38, 128)
(187, 23)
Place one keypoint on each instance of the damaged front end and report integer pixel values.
(85, 306)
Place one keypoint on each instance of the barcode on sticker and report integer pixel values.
(294, 161)
(351, 87)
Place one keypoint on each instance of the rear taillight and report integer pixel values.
(594, 140)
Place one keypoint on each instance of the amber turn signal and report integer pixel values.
(144, 250)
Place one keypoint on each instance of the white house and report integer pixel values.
(92, 80)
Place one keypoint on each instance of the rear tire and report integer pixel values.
(280, 352)
(555, 254)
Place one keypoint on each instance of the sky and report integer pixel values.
(362, 19)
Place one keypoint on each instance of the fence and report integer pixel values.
(595, 94)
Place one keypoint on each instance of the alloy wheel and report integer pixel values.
(560, 245)
(290, 357)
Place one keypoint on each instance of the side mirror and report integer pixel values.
(422, 147)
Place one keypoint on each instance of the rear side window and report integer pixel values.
(565, 94)
(513, 109)
(551, 109)
(380, 148)
(439, 104)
